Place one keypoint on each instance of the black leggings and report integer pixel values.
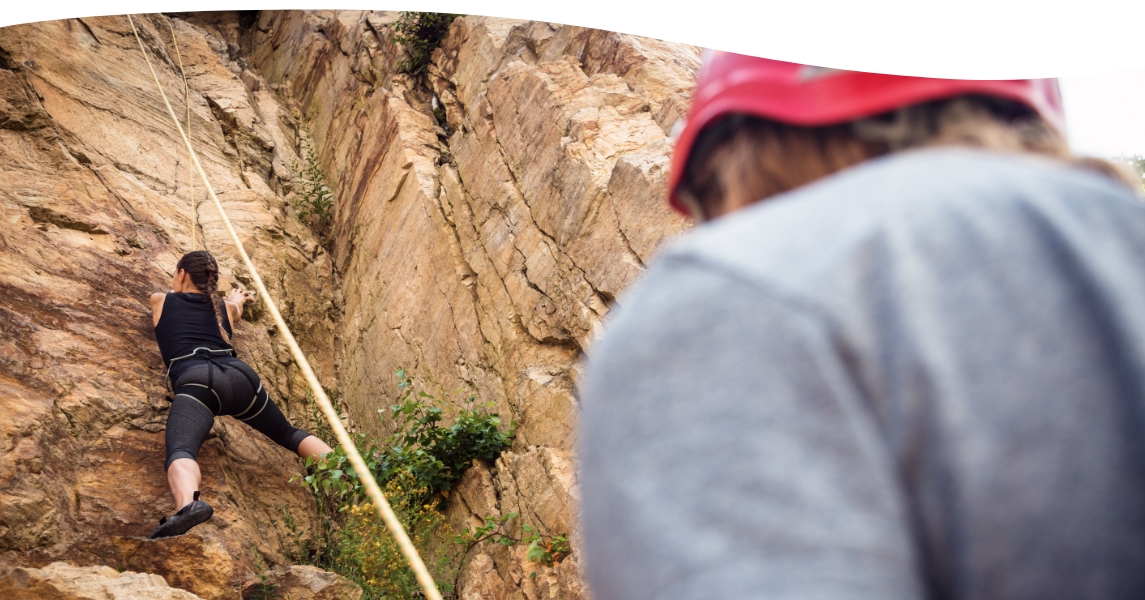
(205, 389)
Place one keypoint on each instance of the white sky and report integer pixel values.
(1105, 113)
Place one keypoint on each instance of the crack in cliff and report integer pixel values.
(457, 250)
(89, 31)
(552, 240)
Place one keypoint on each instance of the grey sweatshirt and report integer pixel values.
(922, 377)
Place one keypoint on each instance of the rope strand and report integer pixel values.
(186, 103)
(367, 478)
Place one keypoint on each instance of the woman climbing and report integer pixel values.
(208, 381)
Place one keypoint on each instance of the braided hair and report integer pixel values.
(204, 273)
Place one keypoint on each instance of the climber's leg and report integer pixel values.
(184, 478)
(268, 420)
(188, 424)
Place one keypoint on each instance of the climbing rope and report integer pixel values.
(186, 103)
(367, 478)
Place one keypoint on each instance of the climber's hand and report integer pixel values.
(239, 296)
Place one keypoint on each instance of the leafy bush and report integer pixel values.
(420, 33)
(315, 200)
(368, 554)
(418, 463)
(437, 456)
(545, 550)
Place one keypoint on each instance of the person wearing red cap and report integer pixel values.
(902, 354)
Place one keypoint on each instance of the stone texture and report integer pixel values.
(483, 252)
(197, 562)
(61, 581)
(299, 582)
(95, 209)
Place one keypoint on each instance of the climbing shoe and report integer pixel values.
(189, 516)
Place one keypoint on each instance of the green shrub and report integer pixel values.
(418, 463)
(542, 549)
(368, 554)
(420, 33)
(434, 455)
(315, 200)
(437, 456)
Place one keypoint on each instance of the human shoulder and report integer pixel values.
(935, 200)
(157, 301)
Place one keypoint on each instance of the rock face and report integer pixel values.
(95, 204)
(482, 250)
(480, 246)
(300, 582)
(61, 581)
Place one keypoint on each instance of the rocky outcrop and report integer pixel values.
(61, 581)
(95, 199)
(300, 582)
(482, 246)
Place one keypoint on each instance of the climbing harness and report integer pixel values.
(366, 477)
(211, 356)
(200, 352)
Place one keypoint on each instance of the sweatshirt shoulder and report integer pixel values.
(927, 201)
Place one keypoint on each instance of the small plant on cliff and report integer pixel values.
(263, 590)
(368, 554)
(420, 33)
(546, 550)
(433, 454)
(437, 456)
(417, 466)
(314, 200)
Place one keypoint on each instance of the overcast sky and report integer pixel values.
(1105, 113)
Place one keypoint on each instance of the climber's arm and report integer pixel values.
(234, 301)
(157, 307)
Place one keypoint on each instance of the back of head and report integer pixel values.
(203, 270)
(759, 127)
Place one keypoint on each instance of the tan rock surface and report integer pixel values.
(95, 207)
(61, 581)
(483, 252)
(300, 582)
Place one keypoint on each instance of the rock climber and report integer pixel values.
(901, 355)
(193, 328)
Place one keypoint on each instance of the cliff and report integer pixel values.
(479, 247)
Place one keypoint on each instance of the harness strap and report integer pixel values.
(265, 401)
(210, 355)
(196, 400)
(252, 401)
(200, 352)
(218, 401)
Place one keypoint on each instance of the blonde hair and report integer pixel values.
(741, 159)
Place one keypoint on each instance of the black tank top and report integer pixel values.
(188, 323)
